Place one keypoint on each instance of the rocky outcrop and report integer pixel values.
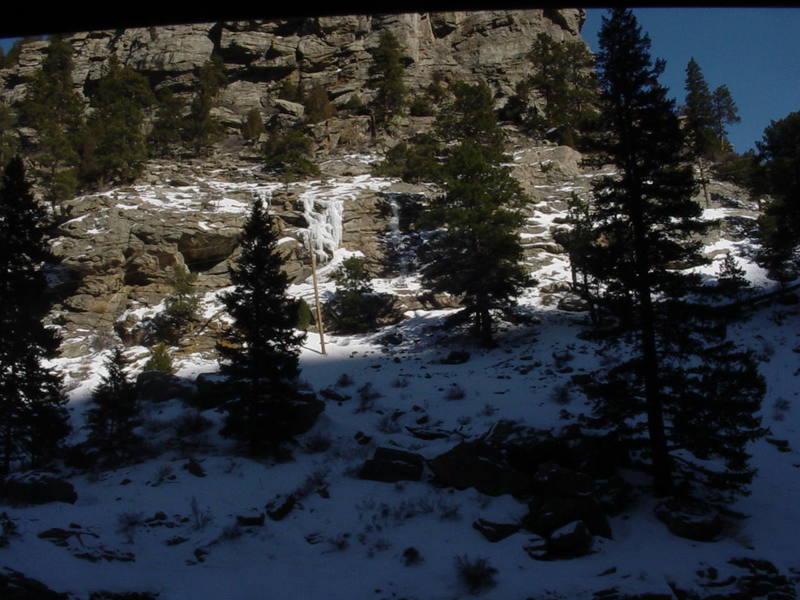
(332, 51)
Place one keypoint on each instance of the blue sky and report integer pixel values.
(754, 51)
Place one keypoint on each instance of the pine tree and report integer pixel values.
(778, 173)
(8, 138)
(648, 225)
(355, 307)
(114, 412)
(201, 128)
(167, 131)
(260, 350)
(725, 112)
(564, 77)
(115, 137)
(387, 72)
(54, 109)
(477, 254)
(290, 153)
(33, 420)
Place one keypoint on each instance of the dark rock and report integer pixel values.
(691, 518)
(212, 390)
(571, 540)
(391, 339)
(494, 532)
(549, 514)
(552, 479)
(194, 468)
(282, 511)
(331, 394)
(476, 464)
(536, 548)
(16, 586)
(36, 488)
(159, 386)
(390, 465)
(250, 521)
(455, 357)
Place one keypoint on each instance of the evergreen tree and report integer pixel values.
(477, 254)
(114, 412)
(779, 176)
(160, 359)
(201, 128)
(8, 137)
(564, 77)
(699, 112)
(387, 72)
(260, 350)
(290, 154)
(180, 307)
(167, 131)
(355, 307)
(33, 420)
(54, 109)
(649, 225)
(725, 112)
(115, 138)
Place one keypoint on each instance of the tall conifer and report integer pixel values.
(646, 227)
(260, 350)
(33, 420)
(477, 254)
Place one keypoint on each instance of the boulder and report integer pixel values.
(391, 465)
(36, 488)
(495, 532)
(691, 518)
(16, 586)
(551, 479)
(476, 464)
(571, 540)
(548, 514)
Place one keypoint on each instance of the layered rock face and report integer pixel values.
(331, 51)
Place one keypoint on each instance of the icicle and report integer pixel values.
(324, 218)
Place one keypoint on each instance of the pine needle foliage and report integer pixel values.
(260, 349)
(476, 253)
(114, 412)
(33, 418)
(646, 228)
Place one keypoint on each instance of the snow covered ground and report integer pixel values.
(156, 527)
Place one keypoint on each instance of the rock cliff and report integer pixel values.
(332, 51)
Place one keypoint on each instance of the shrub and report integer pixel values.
(200, 518)
(411, 556)
(355, 307)
(316, 443)
(8, 529)
(180, 307)
(421, 107)
(290, 153)
(253, 125)
(318, 107)
(366, 397)
(561, 394)
(455, 392)
(160, 360)
(128, 523)
(305, 318)
(478, 575)
(344, 380)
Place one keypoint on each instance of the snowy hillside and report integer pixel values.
(197, 521)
